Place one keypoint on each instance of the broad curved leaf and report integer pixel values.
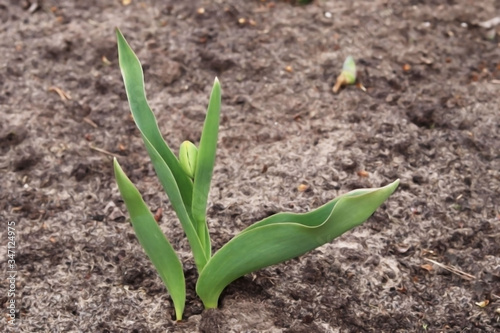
(285, 236)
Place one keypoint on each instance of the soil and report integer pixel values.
(428, 260)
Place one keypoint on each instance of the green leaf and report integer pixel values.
(284, 236)
(153, 241)
(167, 180)
(145, 119)
(205, 166)
(174, 180)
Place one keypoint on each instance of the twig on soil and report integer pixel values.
(104, 151)
(64, 95)
(454, 270)
(90, 122)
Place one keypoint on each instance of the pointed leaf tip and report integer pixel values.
(119, 34)
(216, 82)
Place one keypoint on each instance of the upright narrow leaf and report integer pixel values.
(205, 165)
(153, 241)
(174, 180)
(168, 182)
(145, 119)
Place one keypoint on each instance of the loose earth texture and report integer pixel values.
(427, 261)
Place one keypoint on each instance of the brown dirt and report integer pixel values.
(429, 116)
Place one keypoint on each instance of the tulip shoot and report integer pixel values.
(347, 76)
(186, 180)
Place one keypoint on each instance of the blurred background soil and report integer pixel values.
(427, 261)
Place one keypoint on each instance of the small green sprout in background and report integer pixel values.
(347, 76)
(186, 180)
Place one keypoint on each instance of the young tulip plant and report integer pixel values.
(186, 180)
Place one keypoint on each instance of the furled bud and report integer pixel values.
(188, 155)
